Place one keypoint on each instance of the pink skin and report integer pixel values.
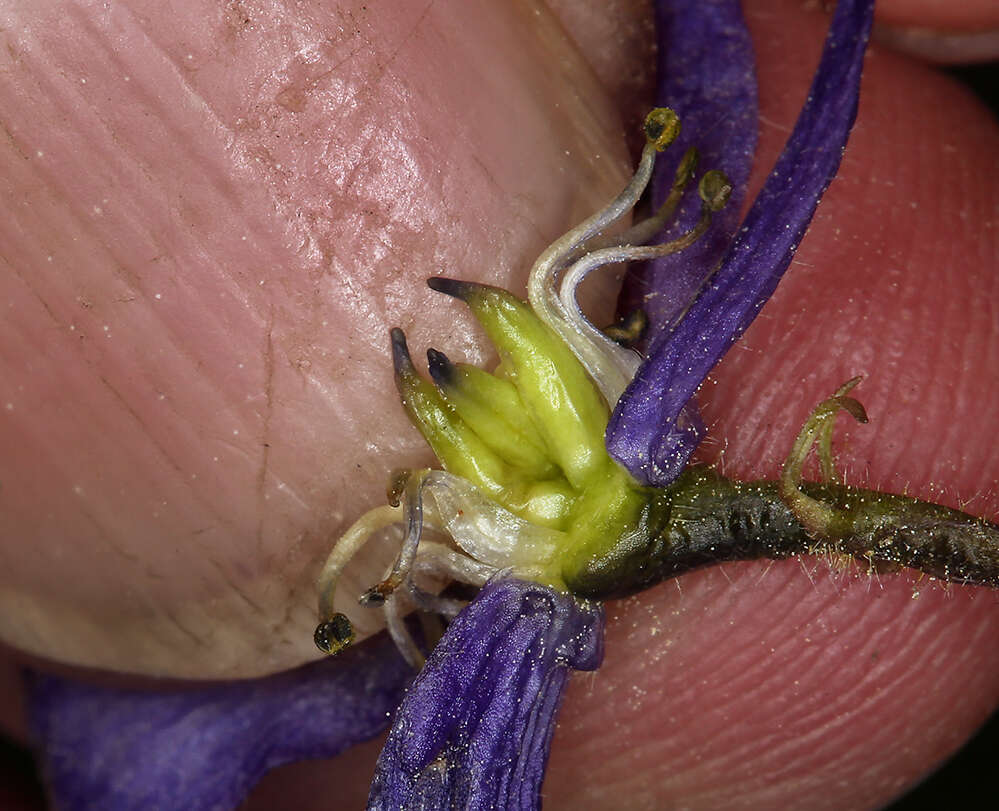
(782, 684)
(939, 30)
(940, 15)
(217, 224)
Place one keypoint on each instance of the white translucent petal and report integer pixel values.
(485, 530)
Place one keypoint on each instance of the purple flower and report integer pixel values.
(707, 77)
(474, 729)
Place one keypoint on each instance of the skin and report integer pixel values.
(940, 15)
(846, 689)
(231, 367)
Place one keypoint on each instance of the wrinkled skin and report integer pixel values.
(220, 292)
(782, 684)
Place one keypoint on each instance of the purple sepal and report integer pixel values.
(641, 433)
(707, 75)
(475, 728)
(204, 748)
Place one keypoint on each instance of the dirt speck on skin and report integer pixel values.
(291, 98)
(237, 18)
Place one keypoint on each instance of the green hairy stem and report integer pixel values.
(705, 518)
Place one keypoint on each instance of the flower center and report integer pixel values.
(528, 487)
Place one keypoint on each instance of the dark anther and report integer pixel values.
(396, 486)
(714, 189)
(372, 597)
(629, 330)
(686, 168)
(334, 635)
(441, 369)
(662, 126)
(380, 592)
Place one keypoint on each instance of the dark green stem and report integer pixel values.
(704, 518)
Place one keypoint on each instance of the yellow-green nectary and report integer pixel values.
(539, 449)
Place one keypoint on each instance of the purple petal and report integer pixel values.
(475, 728)
(204, 748)
(641, 432)
(707, 75)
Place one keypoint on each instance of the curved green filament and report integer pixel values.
(820, 519)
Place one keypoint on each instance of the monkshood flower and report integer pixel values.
(565, 483)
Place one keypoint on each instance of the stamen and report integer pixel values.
(333, 636)
(629, 330)
(715, 190)
(413, 517)
(816, 517)
(395, 621)
(489, 533)
(437, 560)
(494, 539)
(334, 631)
(431, 603)
(643, 231)
(397, 486)
(429, 558)
(661, 127)
(611, 366)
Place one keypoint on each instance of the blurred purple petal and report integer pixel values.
(204, 748)
(640, 434)
(707, 75)
(474, 730)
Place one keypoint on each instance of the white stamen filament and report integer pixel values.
(541, 284)
(611, 366)
(395, 621)
(491, 537)
(431, 603)
(438, 560)
(488, 532)
(413, 516)
(350, 543)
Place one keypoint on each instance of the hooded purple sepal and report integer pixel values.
(204, 748)
(642, 433)
(475, 728)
